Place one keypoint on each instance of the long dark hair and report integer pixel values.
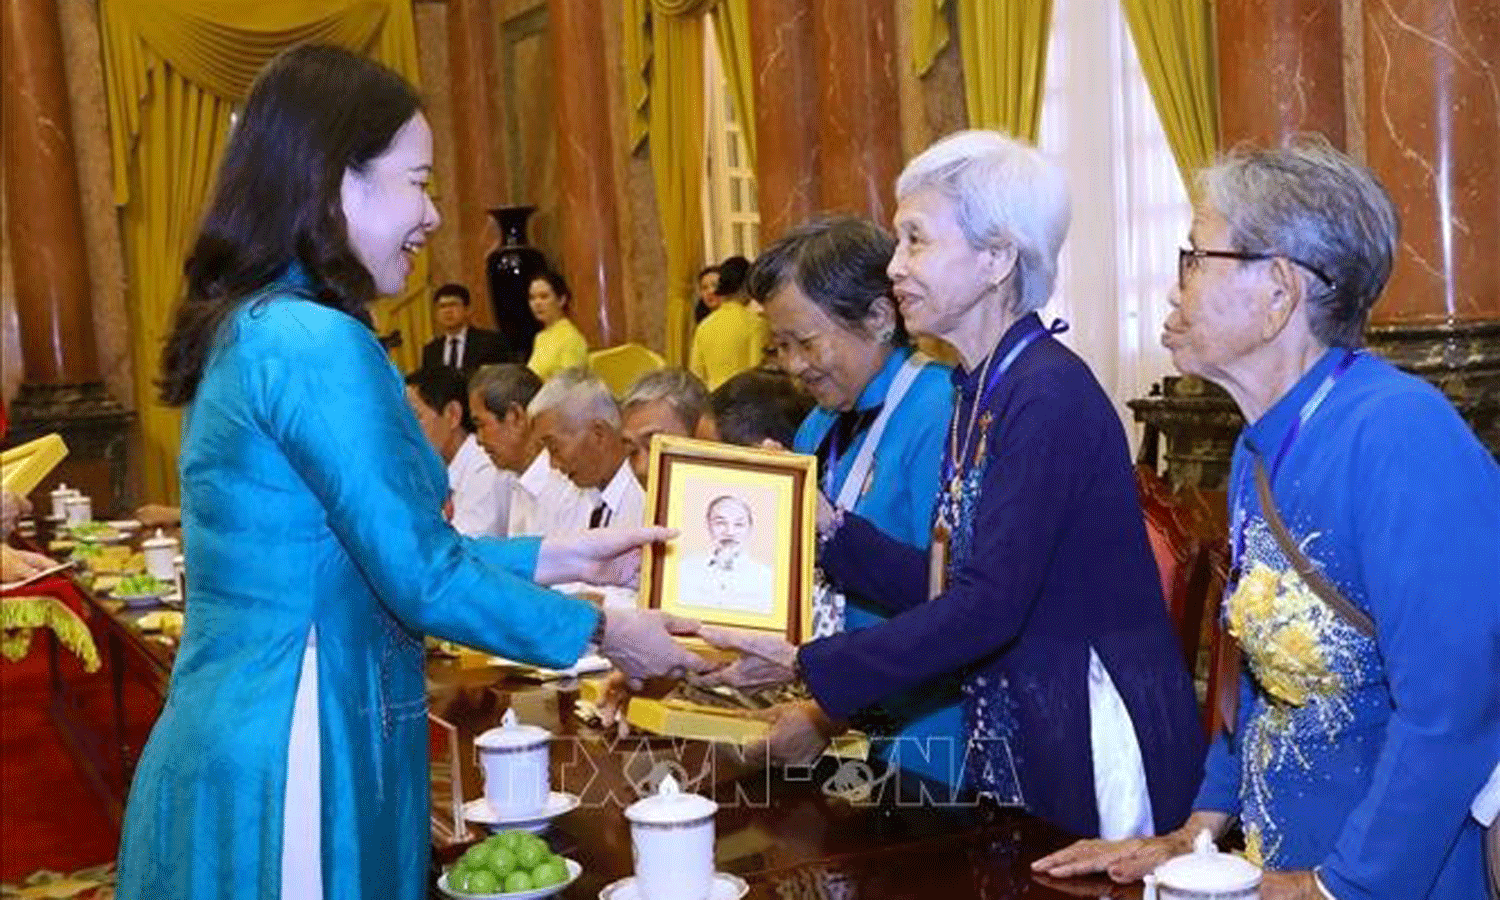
(313, 112)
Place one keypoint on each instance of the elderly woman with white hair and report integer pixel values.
(1365, 528)
(1039, 589)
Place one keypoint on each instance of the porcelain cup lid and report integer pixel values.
(1208, 871)
(670, 806)
(158, 540)
(512, 735)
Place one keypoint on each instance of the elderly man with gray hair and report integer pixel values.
(543, 501)
(664, 401)
(1363, 518)
(584, 439)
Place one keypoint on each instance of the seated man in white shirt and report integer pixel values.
(480, 493)
(727, 577)
(585, 441)
(580, 426)
(543, 501)
(666, 401)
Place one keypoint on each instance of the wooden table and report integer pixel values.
(779, 829)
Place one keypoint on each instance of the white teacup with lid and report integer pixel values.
(78, 509)
(1204, 874)
(59, 497)
(514, 758)
(672, 840)
(160, 550)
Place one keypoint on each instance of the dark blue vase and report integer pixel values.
(509, 268)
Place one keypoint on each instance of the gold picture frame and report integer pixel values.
(746, 518)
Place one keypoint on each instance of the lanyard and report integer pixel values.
(853, 484)
(1305, 413)
(956, 454)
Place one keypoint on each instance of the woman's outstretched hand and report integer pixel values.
(603, 556)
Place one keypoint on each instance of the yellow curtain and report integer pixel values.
(635, 49)
(663, 50)
(174, 70)
(1003, 44)
(1175, 41)
(929, 32)
(663, 57)
(676, 128)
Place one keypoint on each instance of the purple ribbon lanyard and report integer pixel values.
(1308, 408)
(1058, 326)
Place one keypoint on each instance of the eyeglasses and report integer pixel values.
(1188, 258)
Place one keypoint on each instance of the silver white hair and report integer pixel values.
(681, 389)
(577, 395)
(1319, 208)
(1004, 191)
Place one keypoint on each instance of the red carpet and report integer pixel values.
(49, 816)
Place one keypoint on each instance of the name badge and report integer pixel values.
(937, 563)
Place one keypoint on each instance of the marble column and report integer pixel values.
(858, 106)
(585, 170)
(62, 391)
(476, 162)
(1280, 70)
(786, 96)
(44, 223)
(1432, 134)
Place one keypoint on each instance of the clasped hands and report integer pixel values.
(799, 730)
(641, 644)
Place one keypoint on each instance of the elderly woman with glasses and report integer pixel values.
(1039, 593)
(1365, 531)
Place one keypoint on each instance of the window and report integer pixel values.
(1130, 209)
(731, 215)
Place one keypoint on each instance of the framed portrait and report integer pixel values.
(746, 520)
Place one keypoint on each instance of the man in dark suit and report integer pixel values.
(459, 344)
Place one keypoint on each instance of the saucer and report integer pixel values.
(574, 870)
(140, 601)
(479, 812)
(724, 887)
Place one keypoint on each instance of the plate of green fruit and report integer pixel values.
(140, 590)
(511, 865)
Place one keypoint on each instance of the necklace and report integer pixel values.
(957, 463)
(956, 457)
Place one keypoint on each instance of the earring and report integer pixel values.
(887, 334)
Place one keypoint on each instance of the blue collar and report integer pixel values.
(874, 393)
(1267, 431)
(968, 382)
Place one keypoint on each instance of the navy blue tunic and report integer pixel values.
(1055, 562)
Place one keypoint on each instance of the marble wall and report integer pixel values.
(445, 260)
(106, 261)
(1432, 131)
(1409, 85)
